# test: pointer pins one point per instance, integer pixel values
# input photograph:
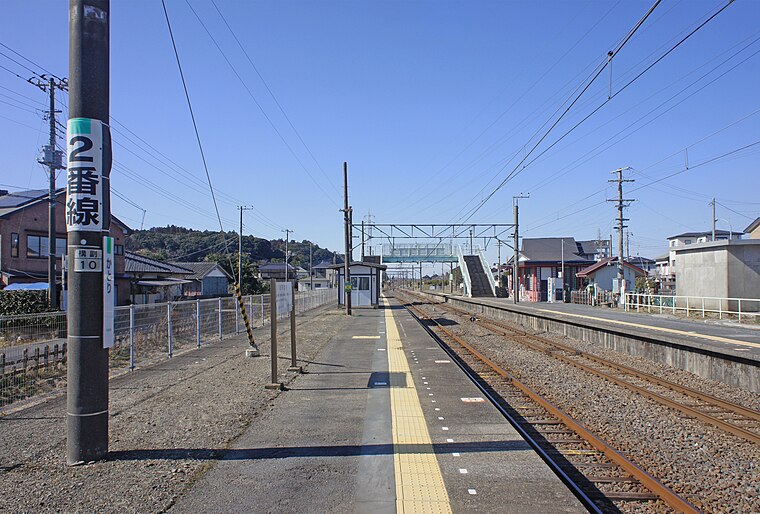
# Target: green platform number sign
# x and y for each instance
(347, 286)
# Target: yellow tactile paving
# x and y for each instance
(419, 484)
(659, 329)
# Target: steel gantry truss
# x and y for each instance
(438, 233)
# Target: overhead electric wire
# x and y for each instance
(598, 72)
(255, 101)
(656, 181)
(588, 155)
(29, 61)
(504, 112)
(279, 106)
(516, 171)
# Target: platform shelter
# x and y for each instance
(366, 283)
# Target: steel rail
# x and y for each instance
(644, 478)
(673, 404)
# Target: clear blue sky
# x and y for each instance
(427, 101)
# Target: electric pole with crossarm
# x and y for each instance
(53, 159)
(621, 204)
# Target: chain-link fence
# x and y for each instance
(33, 346)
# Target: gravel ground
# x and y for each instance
(717, 472)
(169, 424)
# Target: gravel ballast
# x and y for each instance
(169, 424)
(715, 471)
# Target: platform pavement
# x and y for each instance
(719, 337)
(378, 424)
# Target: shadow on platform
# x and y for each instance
(314, 451)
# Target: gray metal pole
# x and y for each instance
(516, 258)
(713, 218)
(87, 366)
(311, 271)
(347, 227)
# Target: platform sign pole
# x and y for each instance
(274, 384)
(293, 364)
(88, 218)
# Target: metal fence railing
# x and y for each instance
(589, 298)
(33, 346)
(742, 309)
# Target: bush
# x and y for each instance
(23, 302)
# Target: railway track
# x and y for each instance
(727, 416)
(602, 477)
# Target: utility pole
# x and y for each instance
(516, 258)
(471, 246)
(287, 237)
(498, 260)
(347, 228)
(362, 240)
(53, 159)
(88, 218)
(240, 247)
(713, 218)
(311, 266)
(621, 204)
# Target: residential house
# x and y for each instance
(595, 249)
(154, 281)
(543, 258)
(208, 280)
(324, 270)
(648, 265)
(276, 270)
(753, 229)
(24, 240)
(601, 274)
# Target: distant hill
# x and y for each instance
(185, 244)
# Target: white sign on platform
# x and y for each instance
(284, 297)
(84, 175)
(109, 292)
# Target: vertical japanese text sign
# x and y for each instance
(109, 290)
(284, 297)
(88, 168)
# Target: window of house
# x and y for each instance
(688, 241)
(37, 247)
(14, 245)
(34, 247)
(673, 243)
(118, 249)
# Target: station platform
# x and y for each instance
(719, 337)
(383, 421)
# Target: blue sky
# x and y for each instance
(431, 103)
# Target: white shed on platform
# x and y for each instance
(366, 283)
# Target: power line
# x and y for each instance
(516, 171)
(266, 85)
(255, 101)
(197, 134)
(611, 54)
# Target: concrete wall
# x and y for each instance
(720, 269)
(604, 276)
(735, 371)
